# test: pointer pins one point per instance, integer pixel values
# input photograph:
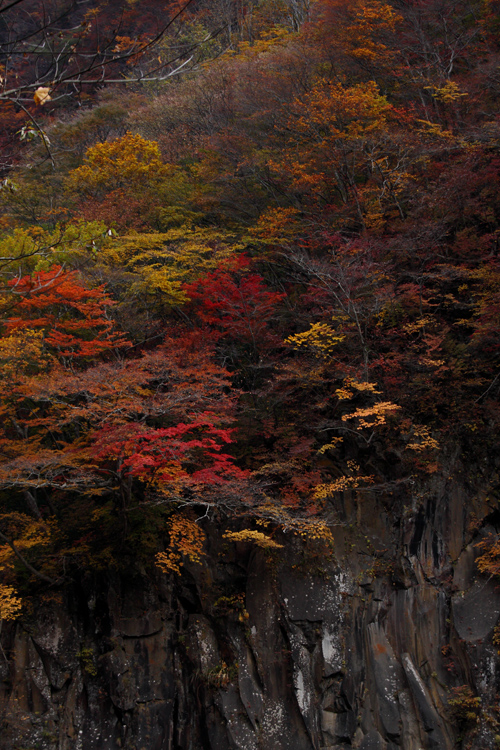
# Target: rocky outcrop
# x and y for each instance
(296, 651)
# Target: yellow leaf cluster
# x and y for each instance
(334, 442)
(350, 386)
(277, 224)
(303, 527)
(10, 604)
(324, 491)
(434, 129)
(314, 531)
(255, 537)
(450, 92)
(372, 416)
(344, 394)
(321, 339)
(186, 540)
(160, 263)
(130, 157)
(268, 43)
(371, 18)
(343, 112)
(132, 164)
(20, 351)
(489, 560)
(422, 440)
(429, 362)
(417, 325)
(364, 387)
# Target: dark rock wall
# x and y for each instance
(289, 651)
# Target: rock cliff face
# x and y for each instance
(276, 652)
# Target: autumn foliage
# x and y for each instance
(73, 319)
(250, 294)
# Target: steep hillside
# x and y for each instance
(249, 394)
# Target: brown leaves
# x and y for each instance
(42, 96)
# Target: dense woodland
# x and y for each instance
(249, 263)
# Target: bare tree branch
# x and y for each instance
(61, 58)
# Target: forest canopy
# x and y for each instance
(236, 293)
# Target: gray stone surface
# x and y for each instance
(361, 656)
(385, 676)
(429, 717)
(372, 741)
(476, 611)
